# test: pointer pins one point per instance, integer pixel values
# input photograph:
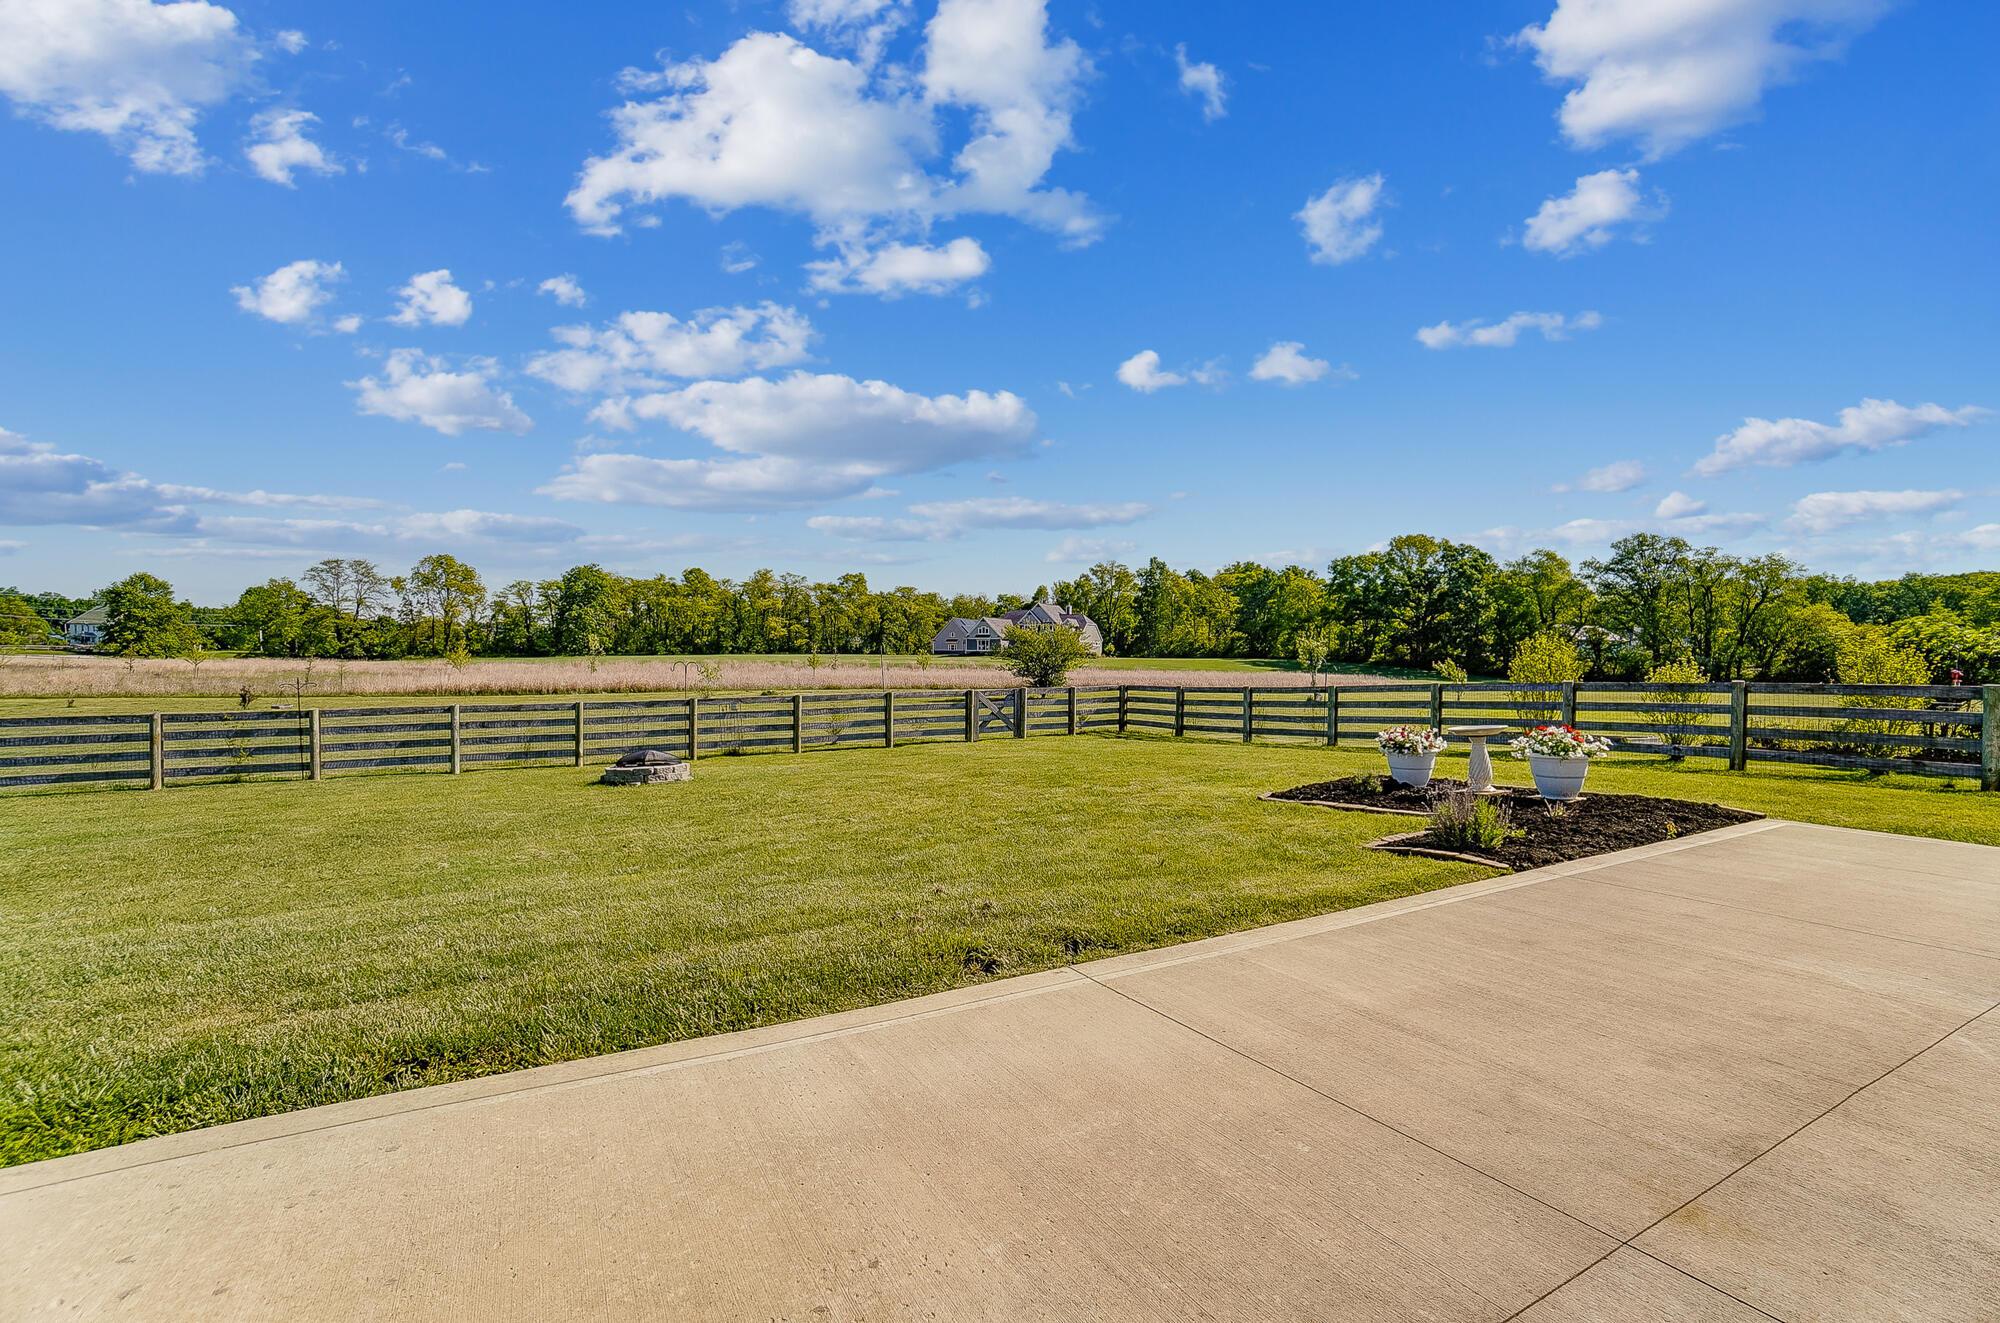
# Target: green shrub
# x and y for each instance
(1043, 657)
(1451, 672)
(1867, 655)
(1679, 729)
(1549, 661)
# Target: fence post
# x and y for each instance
(158, 740)
(1569, 703)
(1249, 707)
(457, 764)
(1739, 725)
(312, 744)
(1437, 706)
(1072, 709)
(579, 732)
(694, 728)
(798, 723)
(1180, 712)
(888, 719)
(1021, 713)
(1989, 739)
(1332, 715)
(971, 715)
(1124, 697)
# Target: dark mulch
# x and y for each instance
(1594, 824)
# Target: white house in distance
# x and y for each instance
(86, 630)
(968, 636)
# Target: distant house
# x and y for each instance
(975, 636)
(86, 630)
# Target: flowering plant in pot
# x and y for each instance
(1559, 756)
(1412, 751)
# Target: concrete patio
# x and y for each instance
(1753, 1073)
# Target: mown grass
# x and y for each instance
(202, 955)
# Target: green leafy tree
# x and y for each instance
(1108, 593)
(1313, 646)
(1419, 600)
(144, 620)
(279, 619)
(20, 624)
(1635, 587)
(1043, 656)
(441, 596)
(1950, 642)
(582, 609)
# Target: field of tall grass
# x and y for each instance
(40, 677)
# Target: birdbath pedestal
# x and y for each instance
(1479, 768)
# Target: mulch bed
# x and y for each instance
(1594, 824)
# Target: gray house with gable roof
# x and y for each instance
(967, 636)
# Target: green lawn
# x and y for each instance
(200, 955)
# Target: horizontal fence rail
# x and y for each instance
(1939, 730)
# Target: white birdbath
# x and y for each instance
(1479, 768)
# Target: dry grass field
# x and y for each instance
(63, 677)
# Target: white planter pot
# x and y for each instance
(1558, 778)
(1412, 769)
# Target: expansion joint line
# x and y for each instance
(1775, 1145)
(1626, 1242)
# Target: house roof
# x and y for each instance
(96, 615)
(1040, 613)
(1052, 614)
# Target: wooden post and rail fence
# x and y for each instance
(1935, 730)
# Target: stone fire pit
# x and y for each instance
(647, 767)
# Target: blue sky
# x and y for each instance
(969, 294)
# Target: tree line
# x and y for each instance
(1418, 602)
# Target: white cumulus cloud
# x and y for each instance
(893, 269)
(1667, 72)
(1204, 81)
(1142, 372)
(564, 290)
(1340, 224)
(1679, 505)
(1287, 363)
(418, 388)
(641, 349)
(292, 293)
(278, 147)
(1590, 215)
(1505, 333)
(137, 73)
(771, 122)
(431, 299)
(831, 418)
(1867, 426)
(863, 26)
